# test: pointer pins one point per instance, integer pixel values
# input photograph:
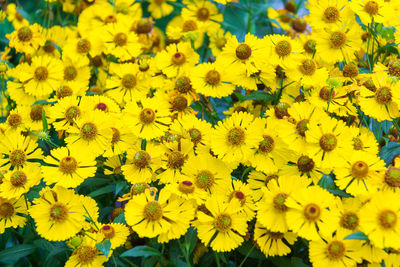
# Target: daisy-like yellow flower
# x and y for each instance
(149, 217)
(308, 72)
(273, 243)
(17, 20)
(141, 164)
(189, 191)
(222, 220)
(187, 29)
(379, 219)
(383, 103)
(113, 166)
(11, 211)
(258, 180)
(218, 40)
(87, 44)
(18, 151)
(236, 136)
(18, 182)
(100, 102)
(177, 59)
(242, 192)
(204, 13)
(364, 140)
(360, 174)
(76, 73)
(149, 119)
(213, 79)
(16, 119)
(284, 51)
(26, 39)
(328, 14)
(122, 138)
(65, 112)
(335, 251)
(378, 11)
(92, 133)
(68, 167)
(86, 254)
(43, 76)
(311, 212)
(117, 233)
(160, 8)
(119, 41)
(349, 209)
(272, 209)
(58, 213)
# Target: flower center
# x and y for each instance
(357, 143)
(195, 135)
(153, 211)
(36, 113)
(269, 178)
(331, 14)
(64, 91)
(243, 51)
(392, 177)
(213, 77)
(239, 109)
(308, 67)
(18, 178)
(139, 188)
(128, 81)
(223, 223)
(102, 106)
(204, 179)
(394, 69)
(83, 46)
(41, 73)
(116, 135)
(89, 131)
(328, 142)
(281, 110)
(283, 48)
(220, 42)
(178, 59)
(159, 2)
(24, 34)
(175, 160)
(203, 14)
(359, 169)
(59, 212)
(299, 25)
(70, 73)
(141, 159)
(189, 25)
(110, 19)
(371, 7)
(147, 116)
(387, 219)
(239, 195)
(349, 220)
(68, 165)
(312, 212)
(236, 136)
(121, 39)
(86, 255)
(279, 72)
(17, 157)
(108, 231)
(6, 210)
(336, 250)
(325, 93)
(383, 95)
(179, 103)
(301, 127)
(305, 164)
(337, 40)
(144, 26)
(49, 47)
(183, 85)
(350, 71)
(71, 113)
(279, 202)
(266, 145)
(186, 187)
(14, 120)
(276, 235)
(309, 46)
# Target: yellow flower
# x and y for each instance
(65, 112)
(86, 254)
(308, 72)
(189, 191)
(160, 8)
(76, 73)
(329, 13)
(11, 211)
(117, 233)
(377, 11)
(218, 40)
(284, 51)
(17, 20)
(18, 182)
(204, 13)
(242, 192)
(26, 39)
(349, 209)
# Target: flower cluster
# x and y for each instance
(121, 129)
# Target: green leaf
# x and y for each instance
(389, 151)
(141, 251)
(103, 190)
(14, 253)
(104, 247)
(120, 218)
(357, 235)
(44, 121)
(258, 95)
(254, 254)
(191, 239)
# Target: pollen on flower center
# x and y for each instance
(357, 143)
(175, 160)
(6, 210)
(213, 77)
(387, 219)
(392, 177)
(281, 110)
(383, 95)
(312, 212)
(186, 187)
(371, 7)
(236, 136)
(195, 135)
(279, 202)
(308, 67)
(83, 46)
(336, 250)
(147, 116)
(182, 84)
(328, 142)
(349, 220)
(337, 39)
(359, 169)
(70, 73)
(72, 113)
(331, 14)
(41, 73)
(141, 159)
(120, 39)
(17, 157)
(68, 165)
(243, 51)
(24, 34)
(203, 14)
(86, 254)
(266, 145)
(223, 223)
(108, 231)
(18, 178)
(14, 120)
(153, 211)
(305, 164)
(89, 131)
(178, 58)
(59, 212)
(128, 81)
(283, 48)
(139, 188)
(204, 179)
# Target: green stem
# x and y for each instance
(217, 258)
(247, 255)
(185, 252)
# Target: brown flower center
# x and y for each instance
(70, 73)
(349, 220)
(139, 188)
(305, 164)
(387, 219)
(108, 231)
(371, 7)
(89, 131)
(223, 223)
(357, 143)
(236, 136)
(178, 59)
(283, 48)
(72, 113)
(325, 93)
(153, 211)
(269, 178)
(308, 67)
(331, 14)
(102, 106)
(36, 113)
(243, 51)
(281, 110)
(279, 202)
(179, 103)
(86, 255)
(383, 95)
(359, 169)
(24, 34)
(220, 42)
(213, 77)
(195, 135)
(83, 46)
(116, 135)
(276, 235)
(59, 212)
(337, 39)
(18, 178)
(64, 91)
(144, 26)
(204, 179)
(121, 39)
(336, 250)
(141, 159)
(182, 84)
(49, 47)
(186, 187)
(239, 195)
(309, 46)
(6, 210)
(203, 14)
(41, 73)
(128, 81)
(189, 25)
(394, 69)
(14, 120)
(312, 212)
(301, 127)
(267, 145)
(17, 157)
(147, 116)
(350, 71)
(176, 160)
(392, 177)
(328, 142)
(68, 165)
